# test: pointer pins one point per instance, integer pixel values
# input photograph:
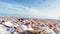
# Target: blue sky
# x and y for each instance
(30, 8)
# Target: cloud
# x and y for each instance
(47, 9)
(17, 10)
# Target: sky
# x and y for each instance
(47, 9)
